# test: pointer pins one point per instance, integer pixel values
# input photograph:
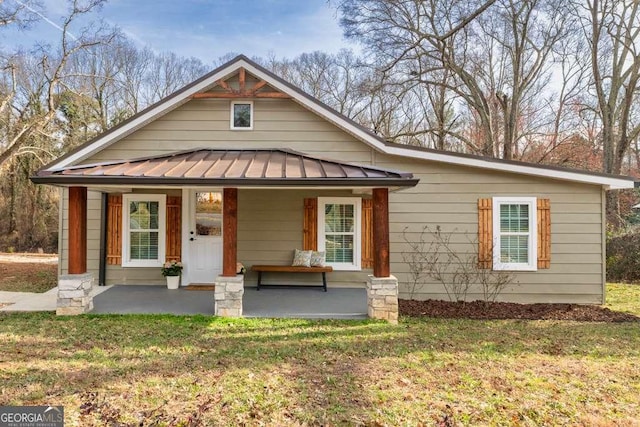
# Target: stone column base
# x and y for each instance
(74, 294)
(382, 298)
(228, 296)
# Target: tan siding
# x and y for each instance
(270, 222)
(447, 196)
(277, 124)
(270, 228)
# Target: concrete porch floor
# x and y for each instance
(313, 303)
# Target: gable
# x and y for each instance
(204, 123)
(242, 65)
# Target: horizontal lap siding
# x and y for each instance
(205, 123)
(447, 196)
(270, 228)
(270, 222)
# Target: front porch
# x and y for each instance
(340, 303)
(260, 206)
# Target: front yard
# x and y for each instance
(123, 370)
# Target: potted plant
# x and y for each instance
(172, 271)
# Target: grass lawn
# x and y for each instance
(621, 297)
(197, 370)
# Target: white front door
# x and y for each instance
(205, 236)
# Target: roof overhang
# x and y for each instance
(224, 168)
(365, 135)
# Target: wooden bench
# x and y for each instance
(291, 269)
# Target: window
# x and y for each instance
(515, 233)
(242, 115)
(339, 231)
(143, 240)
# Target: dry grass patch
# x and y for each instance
(200, 370)
(28, 276)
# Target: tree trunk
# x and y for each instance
(614, 220)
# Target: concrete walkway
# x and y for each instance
(338, 303)
(31, 301)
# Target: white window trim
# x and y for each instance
(126, 232)
(532, 264)
(357, 250)
(233, 103)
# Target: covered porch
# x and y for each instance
(283, 175)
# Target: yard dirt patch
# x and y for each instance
(504, 310)
(28, 272)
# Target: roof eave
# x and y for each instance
(67, 180)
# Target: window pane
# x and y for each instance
(143, 245)
(209, 214)
(514, 249)
(514, 218)
(339, 218)
(339, 248)
(241, 115)
(144, 215)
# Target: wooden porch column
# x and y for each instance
(381, 232)
(77, 230)
(230, 231)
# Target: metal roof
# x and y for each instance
(249, 167)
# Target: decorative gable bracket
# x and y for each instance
(243, 91)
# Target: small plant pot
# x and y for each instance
(173, 282)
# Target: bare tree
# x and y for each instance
(32, 112)
(493, 55)
(612, 28)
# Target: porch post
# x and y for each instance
(382, 287)
(381, 232)
(77, 230)
(230, 231)
(229, 286)
(74, 289)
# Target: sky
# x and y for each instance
(207, 29)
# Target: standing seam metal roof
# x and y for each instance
(241, 166)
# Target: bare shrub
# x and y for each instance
(432, 256)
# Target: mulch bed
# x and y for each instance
(507, 310)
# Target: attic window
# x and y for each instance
(242, 115)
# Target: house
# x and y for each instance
(242, 166)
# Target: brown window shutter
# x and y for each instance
(367, 233)
(310, 225)
(174, 228)
(485, 233)
(544, 233)
(114, 229)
